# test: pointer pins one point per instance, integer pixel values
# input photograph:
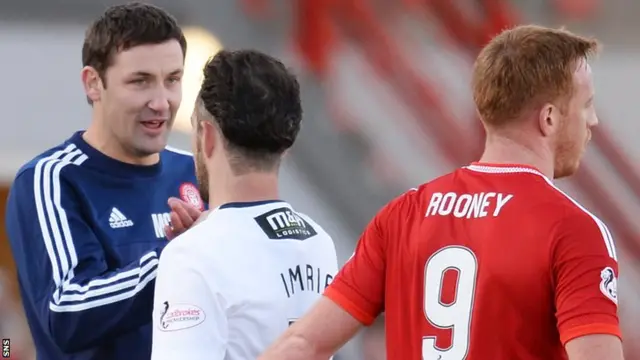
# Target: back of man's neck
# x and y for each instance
(506, 151)
(245, 188)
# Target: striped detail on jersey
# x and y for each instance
(59, 243)
(606, 234)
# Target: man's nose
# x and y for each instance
(160, 101)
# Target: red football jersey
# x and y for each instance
(488, 262)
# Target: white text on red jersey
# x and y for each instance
(469, 206)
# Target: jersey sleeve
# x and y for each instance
(189, 316)
(585, 273)
(359, 286)
(78, 300)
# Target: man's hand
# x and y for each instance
(183, 216)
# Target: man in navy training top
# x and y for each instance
(87, 219)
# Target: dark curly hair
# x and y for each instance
(122, 27)
(255, 102)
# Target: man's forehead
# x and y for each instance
(150, 58)
(583, 66)
(582, 74)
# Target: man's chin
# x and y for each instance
(150, 147)
(157, 147)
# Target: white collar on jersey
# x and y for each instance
(504, 169)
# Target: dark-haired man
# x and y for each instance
(87, 218)
(231, 284)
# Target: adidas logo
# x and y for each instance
(118, 220)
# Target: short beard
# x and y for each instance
(202, 175)
(567, 153)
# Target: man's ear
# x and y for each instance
(92, 83)
(549, 119)
(209, 138)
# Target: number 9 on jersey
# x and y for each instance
(457, 315)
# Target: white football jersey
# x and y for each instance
(228, 287)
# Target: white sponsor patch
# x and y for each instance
(609, 284)
(175, 317)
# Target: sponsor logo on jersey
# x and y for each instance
(190, 194)
(284, 223)
(609, 284)
(118, 220)
(174, 317)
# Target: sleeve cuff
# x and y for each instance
(591, 329)
(349, 306)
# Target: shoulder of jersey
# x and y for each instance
(173, 152)
(186, 246)
(178, 152)
(414, 193)
(178, 157)
(203, 232)
(50, 155)
(556, 197)
(319, 229)
(406, 200)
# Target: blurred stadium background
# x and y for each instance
(386, 100)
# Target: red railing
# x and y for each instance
(501, 16)
(320, 24)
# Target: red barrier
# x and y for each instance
(321, 23)
(498, 16)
